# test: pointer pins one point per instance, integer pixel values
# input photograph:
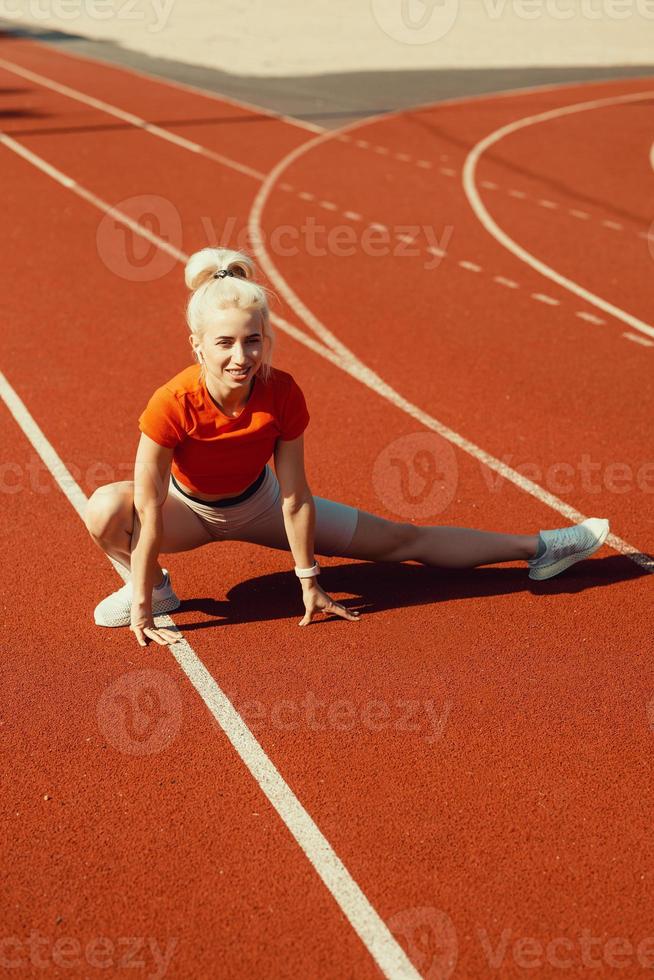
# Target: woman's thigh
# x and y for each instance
(335, 527)
(182, 529)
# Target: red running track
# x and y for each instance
(505, 792)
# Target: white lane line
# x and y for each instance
(328, 206)
(470, 266)
(183, 86)
(404, 157)
(131, 119)
(378, 226)
(584, 215)
(519, 194)
(615, 225)
(637, 339)
(509, 283)
(550, 205)
(364, 144)
(441, 253)
(548, 300)
(489, 185)
(425, 164)
(406, 238)
(307, 196)
(448, 172)
(383, 150)
(589, 317)
(347, 361)
(353, 215)
(371, 929)
(477, 205)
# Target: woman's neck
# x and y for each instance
(231, 402)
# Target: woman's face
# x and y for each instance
(231, 346)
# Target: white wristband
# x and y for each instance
(308, 572)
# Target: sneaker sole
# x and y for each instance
(549, 571)
(164, 606)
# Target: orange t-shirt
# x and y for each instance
(215, 454)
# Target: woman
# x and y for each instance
(201, 473)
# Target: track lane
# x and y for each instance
(392, 826)
(173, 845)
(215, 122)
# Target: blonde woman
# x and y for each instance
(202, 475)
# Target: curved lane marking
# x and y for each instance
(491, 226)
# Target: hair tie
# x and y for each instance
(223, 273)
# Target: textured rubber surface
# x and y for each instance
(474, 748)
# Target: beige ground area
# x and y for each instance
(268, 38)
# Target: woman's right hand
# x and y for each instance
(143, 626)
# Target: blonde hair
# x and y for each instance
(239, 289)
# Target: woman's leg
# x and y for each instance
(114, 525)
(376, 539)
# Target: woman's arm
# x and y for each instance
(299, 512)
(151, 473)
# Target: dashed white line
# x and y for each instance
(637, 339)
(551, 205)
(404, 157)
(364, 144)
(584, 215)
(448, 172)
(509, 283)
(612, 224)
(436, 251)
(378, 226)
(328, 206)
(519, 194)
(382, 149)
(590, 317)
(406, 238)
(470, 266)
(548, 300)
(353, 215)
(489, 185)
(307, 196)
(425, 164)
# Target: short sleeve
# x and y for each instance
(162, 420)
(295, 415)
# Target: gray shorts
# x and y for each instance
(259, 519)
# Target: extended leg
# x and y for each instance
(377, 539)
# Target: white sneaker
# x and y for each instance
(116, 609)
(568, 545)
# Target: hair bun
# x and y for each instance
(203, 265)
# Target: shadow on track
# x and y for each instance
(380, 586)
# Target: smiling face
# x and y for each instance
(231, 348)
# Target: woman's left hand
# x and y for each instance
(316, 601)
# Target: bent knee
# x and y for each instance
(107, 506)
